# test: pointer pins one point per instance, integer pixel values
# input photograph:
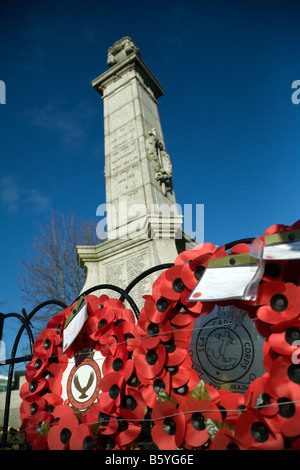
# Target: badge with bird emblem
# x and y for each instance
(82, 387)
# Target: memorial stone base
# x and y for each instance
(118, 262)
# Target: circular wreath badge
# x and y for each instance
(134, 386)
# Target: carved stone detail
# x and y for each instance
(160, 160)
(120, 50)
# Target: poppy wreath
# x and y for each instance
(148, 396)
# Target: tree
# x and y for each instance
(51, 270)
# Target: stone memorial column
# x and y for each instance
(144, 223)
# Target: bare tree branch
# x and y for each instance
(51, 270)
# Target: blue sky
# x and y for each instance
(230, 127)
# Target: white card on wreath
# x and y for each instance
(278, 246)
(224, 283)
(74, 323)
(282, 251)
(230, 277)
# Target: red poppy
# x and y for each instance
(82, 439)
(196, 307)
(54, 374)
(125, 314)
(57, 322)
(112, 386)
(56, 364)
(115, 307)
(192, 270)
(31, 388)
(254, 433)
(276, 228)
(42, 392)
(183, 320)
(296, 225)
(32, 426)
(105, 442)
(180, 393)
(98, 323)
(37, 396)
(191, 274)
(269, 356)
(52, 400)
(190, 277)
(106, 316)
(284, 375)
(149, 363)
(61, 432)
(107, 422)
(188, 255)
(175, 354)
(151, 334)
(280, 302)
(169, 426)
(274, 270)
(151, 388)
(182, 334)
(31, 407)
(133, 405)
(287, 418)
(132, 412)
(213, 393)
(36, 367)
(112, 342)
(133, 380)
(158, 310)
(284, 336)
(95, 303)
(40, 443)
(239, 249)
(127, 431)
(172, 287)
(196, 413)
(169, 284)
(231, 405)
(181, 373)
(259, 397)
(46, 343)
(128, 330)
(119, 311)
(119, 364)
(196, 252)
(224, 440)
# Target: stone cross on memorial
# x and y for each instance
(142, 224)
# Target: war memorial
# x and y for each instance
(201, 353)
(142, 223)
